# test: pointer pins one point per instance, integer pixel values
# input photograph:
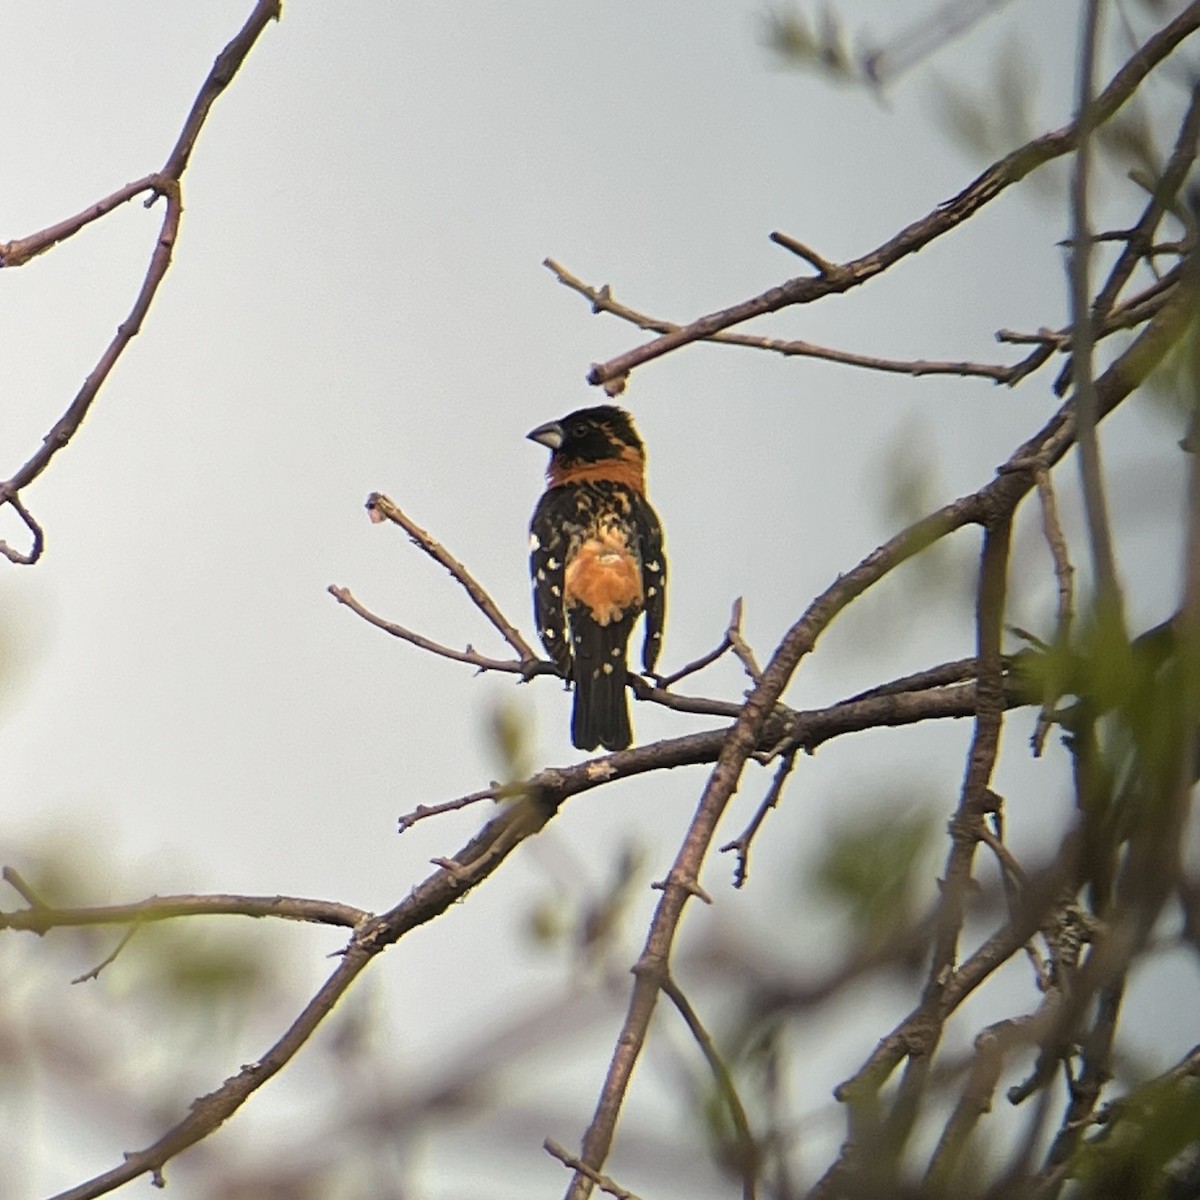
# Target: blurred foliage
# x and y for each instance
(1176, 384)
(510, 738)
(1146, 1132)
(210, 967)
(874, 870)
(995, 115)
(1131, 724)
(589, 923)
(912, 487)
(809, 42)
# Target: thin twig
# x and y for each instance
(973, 1103)
(749, 1155)
(40, 916)
(380, 506)
(1104, 563)
(165, 184)
(1064, 575)
(19, 251)
(1009, 866)
(15, 881)
(914, 237)
(24, 558)
(939, 676)
(424, 811)
(603, 301)
(967, 826)
(740, 646)
(1139, 240)
(472, 657)
(705, 660)
(66, 426)
(603, 1182)
(94, 973)
(473, 864)
(741, 843)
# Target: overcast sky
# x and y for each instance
(357, 303)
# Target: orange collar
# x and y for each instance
(629, 468)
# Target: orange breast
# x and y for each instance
(605, 578)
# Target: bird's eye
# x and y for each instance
(579, 429)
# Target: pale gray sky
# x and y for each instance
(357, 303)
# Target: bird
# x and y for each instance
(597, 563)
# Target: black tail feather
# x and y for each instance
(601, 713)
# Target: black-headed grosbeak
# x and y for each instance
(596, 557)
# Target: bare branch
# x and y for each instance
(993, 506)
(165, 184)
(742, 842)
(28, 557)
(1104, 563)
(939, 676)
(380, 506)
(739, 645)
(748, 1153)
(41, 917)
(1139, 240)
(14, 880)
(19, 251)
(974, 1101)
(66, 426)
(472, 657)
(603, 1182)
(224, 68)
(109, 959)
(424, 811)
(1064, 574)
(603, 302)
(986, 187)
(735, 620)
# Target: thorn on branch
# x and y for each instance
(453, 868)
(691, 886)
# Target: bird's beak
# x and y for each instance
(549, 435)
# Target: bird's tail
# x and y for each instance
(601, 713)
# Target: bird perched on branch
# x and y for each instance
(596, 557)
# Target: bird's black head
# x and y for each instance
(590, 435)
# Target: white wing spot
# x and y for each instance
(548, 634)
(553, 563)
(655, 566)
(652, 591)
(555, 590)
(534, 543)
(607, 668)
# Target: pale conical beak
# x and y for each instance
(549, 435)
